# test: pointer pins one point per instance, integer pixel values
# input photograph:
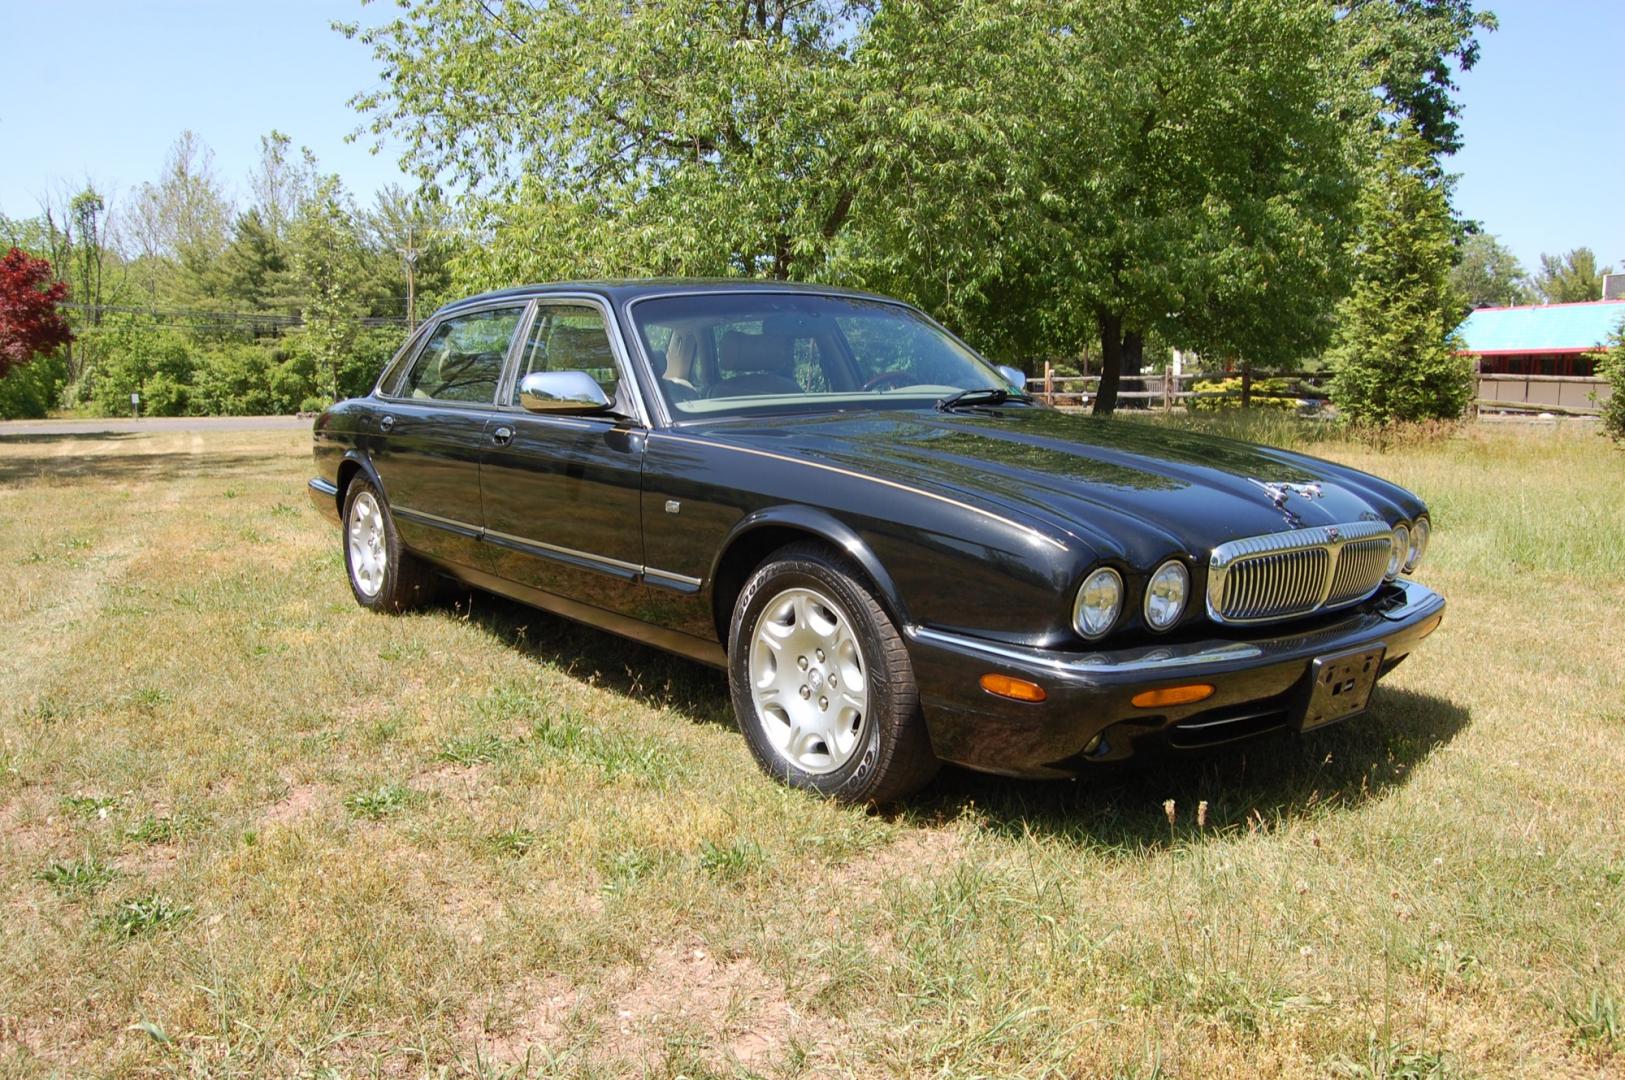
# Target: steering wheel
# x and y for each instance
(888, 380)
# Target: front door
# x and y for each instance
(430, 432)
(561, 493)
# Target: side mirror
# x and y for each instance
(561, 392)
(1017, 377)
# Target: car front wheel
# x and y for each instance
(821, 683)
(383, 575)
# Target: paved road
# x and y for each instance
(153, 425)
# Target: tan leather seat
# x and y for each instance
(755, 364)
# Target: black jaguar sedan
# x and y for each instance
(897, 555)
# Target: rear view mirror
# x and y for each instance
(561, 392)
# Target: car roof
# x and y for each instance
(621, 290)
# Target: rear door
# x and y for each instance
(431, 430)
(562, 493)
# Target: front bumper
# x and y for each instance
(1259, 684)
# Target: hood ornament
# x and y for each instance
(1280, 492)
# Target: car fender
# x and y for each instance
(351, 459)
(827, 527)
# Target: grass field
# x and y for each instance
(247, 829)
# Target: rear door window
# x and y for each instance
(463, 358)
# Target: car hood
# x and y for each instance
(1128, 489)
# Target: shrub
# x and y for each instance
(1282, 394)
(1611, 366)
(28, 391)
(1394, 353)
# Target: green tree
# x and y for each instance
(1394, 357)
(1032, 172)
(1611, 366)
(251, 273)
(1487, 274)
(1570, 278)
(1412, 49)
(328, 260)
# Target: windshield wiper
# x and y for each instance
(982, 395)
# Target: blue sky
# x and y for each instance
(1543, 167)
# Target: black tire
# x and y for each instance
(406, 582)
(892, 756)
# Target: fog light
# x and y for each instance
(1007, 686)
(1172, 695)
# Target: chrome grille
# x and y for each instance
(1288, 574)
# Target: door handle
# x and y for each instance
(502, 436)
(385, 423)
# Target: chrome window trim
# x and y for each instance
(1328, 538)
(621, 354)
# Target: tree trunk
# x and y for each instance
(1111, 363)
(1134, 363)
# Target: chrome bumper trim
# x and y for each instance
(1419, 603)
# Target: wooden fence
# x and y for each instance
(1568, 395)
(1167, 391)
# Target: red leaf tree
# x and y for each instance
(29, 321)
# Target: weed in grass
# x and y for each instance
(511, 843)
(730, 862)
(149, 697)
(161, 829)
(90, 806)
(1395, 1061)
(378, 802)
(474, 749)
(77, 876)
(283, 510)
(144, 914)
(625, 870)
(1596, 1022)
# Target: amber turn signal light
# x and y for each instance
(1172, 695)
(1013, 688)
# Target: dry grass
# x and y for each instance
(249, 829)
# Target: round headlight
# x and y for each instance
(1100, 598)
(1165, 595)
(1398, 551)
(1420, 532)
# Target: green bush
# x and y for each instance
(138, 358)
(1611, 366)
(28, 391)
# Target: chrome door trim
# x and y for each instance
(604, 564)
(423, 517)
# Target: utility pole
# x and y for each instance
(409, 254)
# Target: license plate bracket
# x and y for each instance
(1340, 685)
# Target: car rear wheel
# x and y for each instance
(383, 575)
(821, 683)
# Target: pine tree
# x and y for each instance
(1394, 355)
(252, 271)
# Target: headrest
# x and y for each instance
(578, 348)
(740, 351)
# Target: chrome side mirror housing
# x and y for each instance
(1017, 377)
(561, 392)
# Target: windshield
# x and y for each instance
(731, 353)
